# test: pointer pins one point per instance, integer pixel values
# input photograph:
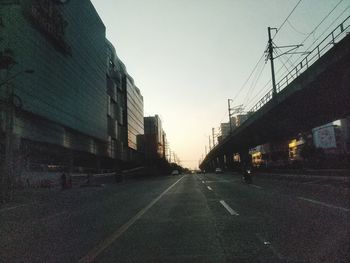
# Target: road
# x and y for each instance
(185, 218)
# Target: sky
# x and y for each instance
(189, 56)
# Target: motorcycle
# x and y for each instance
(247, 176)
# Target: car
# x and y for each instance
(175, 172)
(218, 171)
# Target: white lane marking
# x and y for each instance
(99, 248)
(324, 204)
(203, 182)
(315, 181)
(228, 208)
(269, 245)
(11, 208)
(209, 188)
(256, 186)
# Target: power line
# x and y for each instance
(296, 30)
(250, 75)
(291, 12)
(314, 30)
(254, 83)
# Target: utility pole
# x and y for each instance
(270, 50)
(229, 114)
(205, 150)
(213, 131)
(209, 143)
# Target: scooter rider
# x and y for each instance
(246, 168)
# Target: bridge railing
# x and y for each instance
(326, 44)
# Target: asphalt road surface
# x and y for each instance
(185, 218)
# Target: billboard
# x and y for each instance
(324, 136)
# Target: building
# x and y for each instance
(225, 129)
(80, 108)
(154, 138)
(134, 117)
(116, 106)
(240, 118)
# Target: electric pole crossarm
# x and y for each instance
(288, 52)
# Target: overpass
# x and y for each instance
(315, 92)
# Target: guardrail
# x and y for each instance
(325, 45)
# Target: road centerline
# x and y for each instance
(91, 256)
(228, 208)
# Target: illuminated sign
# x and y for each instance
(48, 18)
(324, 137)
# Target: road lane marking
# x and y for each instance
(315, 181)
(269, 245)
(91, 256)
(11, 208)
(256, 186)
(209, 188)
(228, 208)
(324, 204)
(203, 182)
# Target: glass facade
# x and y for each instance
(68, 86)
(134, 113)
(154, 136)
(116, 104)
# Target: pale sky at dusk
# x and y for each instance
(189, 56)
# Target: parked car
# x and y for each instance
(175, 172)
(218, 171)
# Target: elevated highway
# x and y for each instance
(315, 92)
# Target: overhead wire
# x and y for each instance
(314, 30)
(254, 83)
(291, 12)
(250, 75)
(278, 30)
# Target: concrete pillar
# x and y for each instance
(245, 157)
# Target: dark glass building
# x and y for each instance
(134, 115)
(61, 109)
(154, 138)
(116, 106)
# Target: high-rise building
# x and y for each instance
(62, 106)
(225, 130)
(154, 137)
(79, 107)
(116, 106)
(134, 107)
